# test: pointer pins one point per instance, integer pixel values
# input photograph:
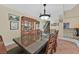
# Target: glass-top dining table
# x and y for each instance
(32, 46)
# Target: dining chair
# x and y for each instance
(52, 43)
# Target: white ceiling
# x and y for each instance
(35, 9)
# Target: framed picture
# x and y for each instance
(66, 25)
(14, 25)
(13, 17)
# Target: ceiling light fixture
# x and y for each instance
(44, 16)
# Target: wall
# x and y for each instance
(5, 31)
(74, 22)
(59, 27)
(72, 17)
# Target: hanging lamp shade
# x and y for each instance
(44, 16)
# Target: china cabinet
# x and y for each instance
(29, 29)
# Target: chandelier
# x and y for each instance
(44, 16)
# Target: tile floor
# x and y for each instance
(66, 47)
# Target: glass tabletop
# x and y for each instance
(29, 45)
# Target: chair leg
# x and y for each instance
(54, 48)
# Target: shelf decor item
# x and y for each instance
(14, 25)
(55, 24)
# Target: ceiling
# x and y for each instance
(35, 9)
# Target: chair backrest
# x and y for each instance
(52, 43)
(2, 46)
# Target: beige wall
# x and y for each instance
(74, 22)
(5, 31)
(60, 28)
(72, 17)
